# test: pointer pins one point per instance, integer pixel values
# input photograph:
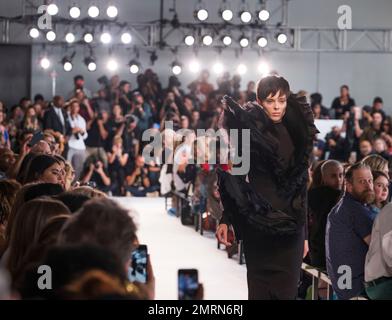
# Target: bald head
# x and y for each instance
(332, 174)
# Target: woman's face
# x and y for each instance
(31, 112)
(117, 110)
(381, 188)
(275, 106)
(75, 108)
(53, 174)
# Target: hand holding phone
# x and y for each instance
(188, 284)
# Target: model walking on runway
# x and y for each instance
(267, 207)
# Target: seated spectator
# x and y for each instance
(27, 225)
(45, 168)
(4, 134)
(7, 161)
(142, 111)
(110, 227)
(69, 176)
(30, 121)
(117, 160)
(348, 230)
(8, 190)
(138, 183)
(343, 103)
(321, 200)
(335, 144)
(376, 163)
(373, 131)
(386, 133)
(378, 267)
(317, 99)
(73, 262)
(380, 148)
(365, 149)
(378, 106)
(95, 174)
(381, 191)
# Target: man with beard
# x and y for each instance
(348, 231)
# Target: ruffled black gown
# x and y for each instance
(268, 207)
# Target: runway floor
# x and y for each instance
(173, 246)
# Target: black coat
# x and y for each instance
(52, 121)
(245, 203)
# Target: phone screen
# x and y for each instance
(138, 270)
(188, 284)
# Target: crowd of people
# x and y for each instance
(61, 159)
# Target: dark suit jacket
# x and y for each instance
(52, 121)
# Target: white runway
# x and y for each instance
(173, 246)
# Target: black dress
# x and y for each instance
(269, 212)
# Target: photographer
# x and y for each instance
(138, 183)
(98, 133)
(77, 147)
(142, 111)
(95, 175)
(117, 159)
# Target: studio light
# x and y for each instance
(201, 14)
(176, 68)
(282, 38)
(134, 66)
(189, 40)
(34, 33)
(207, 40)
(245, 16)
(264, 68)
(112, 12)
(88, 37)
(70, 37)
(241, 69)
(218, 68)
(264, 15)
(112, 65)
(244, 42)
(51, 36)
(74, 12)
(106, 38)
(227, 14)
(226, 40)
(93, 12)
(194, 66)
(44, 63)
(126, 38)
(52, 9)
(67, 64)
(90, 64)
(262, 42)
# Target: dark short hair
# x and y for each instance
(316, 97)
(73, 200)
(78, 77)
(38, 165)
(38, 96)
(271, 85)
(345, 86)
(42, 189)
(378, 100)
(356, 166)
(377, 174)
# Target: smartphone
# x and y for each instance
(188, 284)
(138, 270)
(37, 137)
